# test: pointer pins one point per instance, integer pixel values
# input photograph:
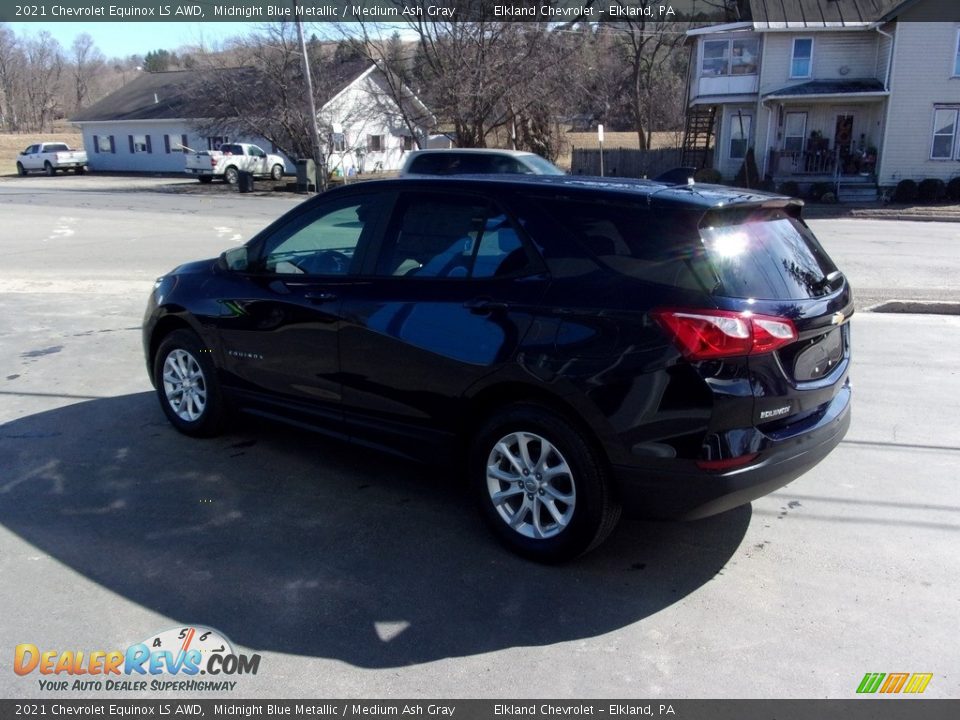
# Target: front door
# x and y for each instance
(279, 322)
(843, 139)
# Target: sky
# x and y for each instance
(122, 39)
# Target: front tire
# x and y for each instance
(276, 173)
(21, 170)
(542, 486)
(231, 175)
(187, 385)
(49, 169)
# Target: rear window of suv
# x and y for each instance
(766, 255)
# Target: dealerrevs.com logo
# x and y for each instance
(169, 661)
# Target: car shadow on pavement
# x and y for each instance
(289, 542)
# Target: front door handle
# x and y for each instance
(484, 306)
(319, 298)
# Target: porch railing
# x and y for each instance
(819, 162)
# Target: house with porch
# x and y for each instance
(859, 94)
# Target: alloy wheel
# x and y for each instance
(531, 485)
(184, 385)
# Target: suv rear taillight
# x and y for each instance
(711, 334)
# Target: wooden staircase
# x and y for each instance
(697, 134)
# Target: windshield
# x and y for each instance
(542, 166)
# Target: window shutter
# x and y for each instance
(130, 138)
(183, 143)
(96, 144)
(166, 143)
(113, 145)
(149, 148)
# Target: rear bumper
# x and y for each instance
(689, 493)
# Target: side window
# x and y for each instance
(326, 242)
(500, 251)
(448, 236)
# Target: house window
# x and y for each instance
(375, 143)
(715, 60)
(794, 131)
(139, 144)
(801, 62)
(944, 133)
(103, 143)
(740, 125)
(338, 142)
(407, 143)
(956, 57)
(730, 57)
(215, 141)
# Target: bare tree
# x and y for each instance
(42, 90)
(88, 63)
(12, 65)
(256, 87)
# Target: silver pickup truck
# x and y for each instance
(50, 157)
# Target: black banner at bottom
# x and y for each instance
(872, 708)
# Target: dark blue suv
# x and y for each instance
(571, 344)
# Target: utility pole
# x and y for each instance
(311, 104)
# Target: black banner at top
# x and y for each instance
(782, 14)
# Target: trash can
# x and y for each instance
(306, 175)
(245, 181)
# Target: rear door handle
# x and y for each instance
(484, 306)
(319, 298)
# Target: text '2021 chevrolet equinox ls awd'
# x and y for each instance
(576, 343)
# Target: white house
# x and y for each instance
(857, 94)
(145, 125)
(368, 131)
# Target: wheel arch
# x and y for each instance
(483, 404)
(168, 323)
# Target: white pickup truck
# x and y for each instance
(230, 160)
(50, 157)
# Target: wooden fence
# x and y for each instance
(624, 162)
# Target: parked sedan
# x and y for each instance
(572, 345)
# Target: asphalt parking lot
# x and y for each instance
(354, 575)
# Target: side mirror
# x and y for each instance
(235, 259)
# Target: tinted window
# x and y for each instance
(325, 242)
(452, 163)
(56, 147)
(449, 236)
(770, 256)
(775, 258)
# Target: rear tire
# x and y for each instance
(542, 486)
(231, 175)
(80, 170)
(205, 179)
(21, 170)
(187, 385)
(276, 173)
(49, 169)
